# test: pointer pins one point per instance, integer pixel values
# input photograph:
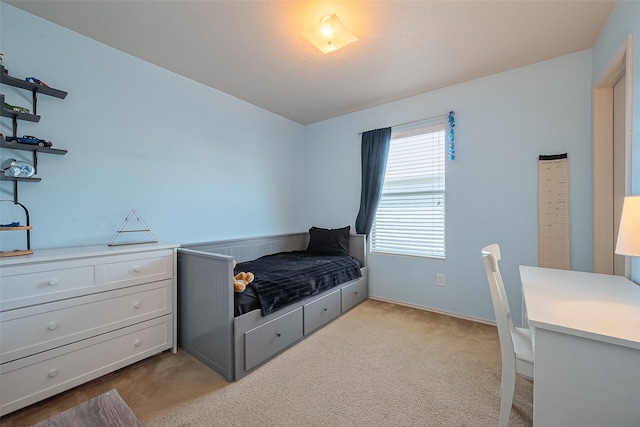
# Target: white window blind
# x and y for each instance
(410, 219)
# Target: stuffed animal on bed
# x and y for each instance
(241, 280)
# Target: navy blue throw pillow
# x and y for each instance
(324, 241)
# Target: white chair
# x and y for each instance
(515, 343)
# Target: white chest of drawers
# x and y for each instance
(70, 315)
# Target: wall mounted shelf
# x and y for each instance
(15, 116)
(16, 179)
(23, 84)
(34, 148)
(35, 89)
(27, 228)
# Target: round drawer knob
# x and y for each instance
(137, 304)
(138, 269)
(52, 325)
(137, 342)
(53, 282)
(325, 309)
(53, 372)
(278, 334)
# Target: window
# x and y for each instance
(410, 219)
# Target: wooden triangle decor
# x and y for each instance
(125, 233)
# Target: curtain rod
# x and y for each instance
(420, 120)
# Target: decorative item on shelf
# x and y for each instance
(28, 139)
(10, 225)
(141, 227)
(15, 108)
(16, 169)
(36, 81)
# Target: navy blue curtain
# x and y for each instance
(374, 152)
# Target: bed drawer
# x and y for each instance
(321, 311)
(354, 293)
(272, 337)
(28, 380)
(40, 328)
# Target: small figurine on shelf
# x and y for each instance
(15, 108)
(11, 224)
(36, 81)
(30, 140)
(16, 169)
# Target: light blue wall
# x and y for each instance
(220, 168)
(624, 20)
(196, 163)
(503, 122)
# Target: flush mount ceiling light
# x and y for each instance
(329, 35)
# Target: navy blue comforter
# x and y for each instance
(287, 277)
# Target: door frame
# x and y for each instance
(604, 237)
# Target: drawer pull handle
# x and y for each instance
(137, 342)
(278, 334)
(52, 325)
(137, 304)
(53, 372)
(53, 282)
(355, 293)
(325, 309)
(138, 269)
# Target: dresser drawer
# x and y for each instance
(20, 285)
(354, 293)
(272, 337)
(28, 283)
(43, 327)
(146, 267)
(321, 311)
(34, 378)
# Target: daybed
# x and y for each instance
(235, 345)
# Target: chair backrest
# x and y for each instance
(491, 256)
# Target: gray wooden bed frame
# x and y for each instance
(235, 346)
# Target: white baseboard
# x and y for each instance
(433, 310)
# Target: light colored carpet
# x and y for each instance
(380, 364)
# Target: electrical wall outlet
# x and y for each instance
(439, 279)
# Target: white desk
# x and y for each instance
(586, 331)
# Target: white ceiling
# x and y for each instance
(254, 50)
